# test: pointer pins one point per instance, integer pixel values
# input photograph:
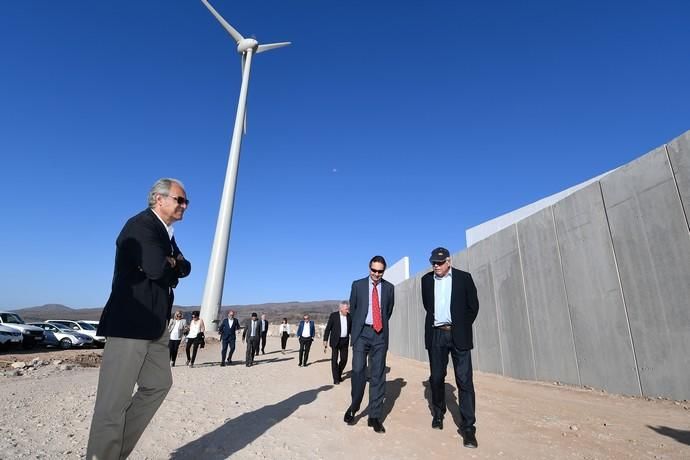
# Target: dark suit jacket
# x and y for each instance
(264, 326)
(359, 305)
(247, 330)
(141, 298)
(333, 328)
(464, 307)
(228, 331)
(312, 329)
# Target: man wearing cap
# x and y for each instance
(450, 300)
(371, 306)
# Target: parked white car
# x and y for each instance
(31, 335)
(80, 326)
(63, 337)
(9, 337)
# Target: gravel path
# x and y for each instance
(277, 410)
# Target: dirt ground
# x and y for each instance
(277, 410)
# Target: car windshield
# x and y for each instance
(86, 326)
(11, 318)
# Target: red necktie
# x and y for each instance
(376, 310)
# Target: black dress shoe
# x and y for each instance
(336, 382)
(349, 417)
(222, 364)
(469, 440)
(437, 422)
(376, 425)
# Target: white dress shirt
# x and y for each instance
(343, 326)
(443, 287)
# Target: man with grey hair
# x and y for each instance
(338, 331)
(148, 265)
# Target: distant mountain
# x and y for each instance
(58, 311)
(275, 312)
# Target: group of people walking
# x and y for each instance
(148, 267)
(193, 334)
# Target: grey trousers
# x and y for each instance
(120, 417)
(372, 346)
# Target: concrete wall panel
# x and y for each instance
(552, 335)
(513, 321)
(679, 152)
(652, 246)
(398, 334)
(602, 337)
(416, 317)
(486, 340)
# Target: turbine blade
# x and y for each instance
(231, 30)
(244, 126)
(271, 46)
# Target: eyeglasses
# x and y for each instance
(438, 264)
(180, 199)
(380, 272)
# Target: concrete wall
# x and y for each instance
(592, 290)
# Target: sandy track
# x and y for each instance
(277, 410)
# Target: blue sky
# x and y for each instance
(388, 127)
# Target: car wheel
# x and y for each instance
(65, 343)
(28, 344)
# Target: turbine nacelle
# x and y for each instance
(247, 44)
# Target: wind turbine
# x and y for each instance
(213, 291)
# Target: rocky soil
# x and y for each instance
(277, 410)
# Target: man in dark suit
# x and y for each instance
(338, 331)
(228, 333)
(305, 333)
(148, 264)
(371, 306)
(450, 300)
(251, 334)
(264, 333)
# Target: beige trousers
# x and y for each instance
(121, 416)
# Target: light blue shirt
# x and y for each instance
(370, 315)
(443, 286)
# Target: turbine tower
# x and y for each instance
(213, 291)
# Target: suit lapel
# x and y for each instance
(162, 231)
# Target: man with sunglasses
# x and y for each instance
(371, 306)
(450, 300)
(148, 265)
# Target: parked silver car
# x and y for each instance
(80, 326)
(31, 335)
(9, 337)
(63, 337)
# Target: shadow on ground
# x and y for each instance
(451, 403)
(392, 393)
(682, 436)
(272, 360)
(236, 433)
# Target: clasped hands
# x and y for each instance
(173, 260)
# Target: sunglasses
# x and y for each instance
(435, 263)
(377, 271)
(180, 200)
